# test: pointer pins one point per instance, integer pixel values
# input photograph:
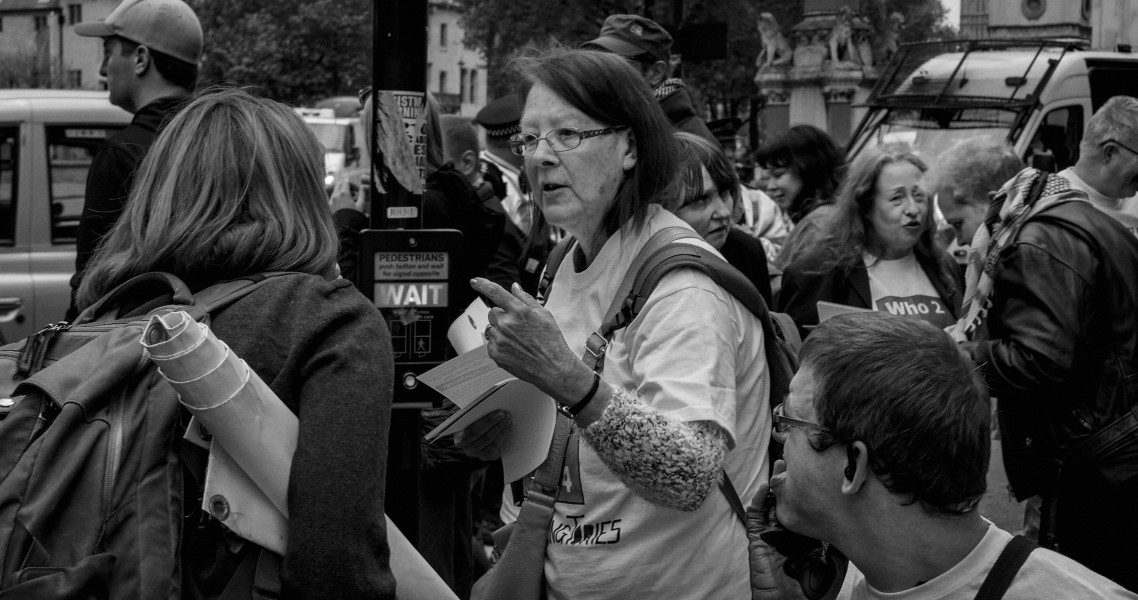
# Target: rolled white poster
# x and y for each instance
(226, 396)
(254, 438)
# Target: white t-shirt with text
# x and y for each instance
(695, 354)
(901, 287)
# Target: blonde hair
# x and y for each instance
(232, 186)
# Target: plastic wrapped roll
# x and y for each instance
(253, 439)
(226, 396)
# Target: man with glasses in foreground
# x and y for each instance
(886, 435)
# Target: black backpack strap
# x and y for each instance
(779, 352)
(618, 315)
(732, 496)
(146, 285)
(552, 263)
(221, 295)
(1004, 571)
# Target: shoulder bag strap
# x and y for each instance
(1003, 573)
(733, 499)
(598, 341)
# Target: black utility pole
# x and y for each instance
(399, 66)
(399, 77)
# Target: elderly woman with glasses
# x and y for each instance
(683, 396)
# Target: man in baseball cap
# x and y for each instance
(151, 50)
(649, 47)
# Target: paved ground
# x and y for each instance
(998, 504)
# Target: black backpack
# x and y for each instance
(91, 449)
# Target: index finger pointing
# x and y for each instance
(497, 294)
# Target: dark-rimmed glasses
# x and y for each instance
(782, 422)
(1118, 143)
(560, 140)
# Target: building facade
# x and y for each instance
(974, 19)
(1101, 24)
(456, 75)
(39, 48)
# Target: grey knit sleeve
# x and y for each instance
(663, 460)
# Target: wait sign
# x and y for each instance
(391, 295)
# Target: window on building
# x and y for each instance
(1, 23)
(75, 79)
(9, 170)
(75, 13)
(443, 35)
(473, 85)
(442, 82)
(462, 85)
(40, 22)
(70, 150)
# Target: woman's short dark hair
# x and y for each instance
(815, 159)
(849, 234)
(608, 89)
(696, 152)
(902, 387)
(179, 73)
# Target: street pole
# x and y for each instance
(399, 81)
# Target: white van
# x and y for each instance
(1036, 95)
(47, 141)
(342, 139)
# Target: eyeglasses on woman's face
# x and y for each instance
(560, 140)
(782, 423)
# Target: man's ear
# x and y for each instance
(857, 468)
(657, 72)
(143, 61)
(468, 162)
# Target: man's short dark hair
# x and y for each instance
(179, 73)
(459, 135)
(901, 386)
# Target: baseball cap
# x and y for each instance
(167, 26)
(630, 35)
(501, 116)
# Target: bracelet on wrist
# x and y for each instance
(583, 402)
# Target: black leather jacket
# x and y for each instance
(1062, 350)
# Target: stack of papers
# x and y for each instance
(478, 387)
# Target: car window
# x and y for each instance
(70, 150)
(9, 169)
(1056, 144)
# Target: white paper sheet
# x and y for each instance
(478, 386)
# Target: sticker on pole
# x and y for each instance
(403, 137)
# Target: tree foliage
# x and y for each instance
(26, 67)
(502, 28)
(297, 51)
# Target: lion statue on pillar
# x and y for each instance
(776, 49)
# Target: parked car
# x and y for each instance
(47, 141)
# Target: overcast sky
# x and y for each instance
(953, 7)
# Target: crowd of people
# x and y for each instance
(866, 476)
